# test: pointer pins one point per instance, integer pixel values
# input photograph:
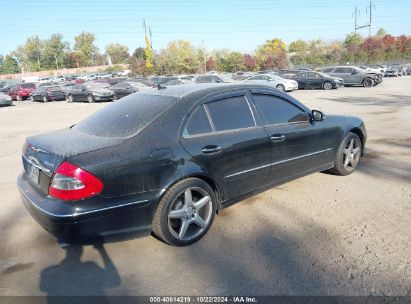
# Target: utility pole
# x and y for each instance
(369, 10)
(355, 20)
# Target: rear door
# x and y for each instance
(297, 143)
(224, 138)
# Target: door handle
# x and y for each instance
(211, 149)
(277, 137)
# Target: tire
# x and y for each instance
(70, 98)
(327, 85)
(90, 99)
(19, 98)
(45, 99)
(368, 82)
(280, 87)
(342, 166)
(181, 206)
(31, 98)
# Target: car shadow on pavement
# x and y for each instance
(75, 277)
(385, 100)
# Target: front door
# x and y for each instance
(297, 143)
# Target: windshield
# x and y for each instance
(97, 85)
(126, 117)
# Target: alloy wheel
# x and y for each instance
(190, 214)
(351, 154)
(328, 86)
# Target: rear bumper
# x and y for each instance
(69, 223)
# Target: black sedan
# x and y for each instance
(48, 93)
(167, 160)
(89, 92)
(126, 88)
(317, 80)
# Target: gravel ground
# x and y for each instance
(319, 235)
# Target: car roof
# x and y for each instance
(201, 89)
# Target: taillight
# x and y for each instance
(71, 183)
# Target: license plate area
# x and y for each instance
(34, 174)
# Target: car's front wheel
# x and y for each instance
(280, 87)
(327, 85)
(348, 155)
(70, 98)
(19, 98)
(185, 212)
(90, 98)
(45, 99)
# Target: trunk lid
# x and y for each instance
(42, 154)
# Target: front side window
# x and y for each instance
(276, 110)
(231, 113)
(198, 123)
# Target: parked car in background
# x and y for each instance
(145, 81)
(160, 80)
(172, 82)
(392, 71)
(408, 70)
(46, 84)
(21, 91)
(353, 75)
(317, 80)
(48, 93)
(212, 79)
(275, 81)
(66, 85)
(5, 87)
(5, 100)
(165, 161)
(126, 88)
(89, 92)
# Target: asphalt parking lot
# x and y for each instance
(319, 235)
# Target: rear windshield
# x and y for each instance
(126, 117)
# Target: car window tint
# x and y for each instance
(342, 70)
(276, 110)
(126, 117)
(327, 70)
(231, 113)
(198, 123)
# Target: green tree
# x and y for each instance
(55, 51)
(9, 66)
(148, 51)
(381, 33)
(85, 47)
(180, 56)
(119, 53)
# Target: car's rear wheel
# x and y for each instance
(280, 87)
(368, 82)
(348, 155)
(70, 98)
(31, 98)
(90, 98)
(185, 212)
(19, 98)
(45, 99)
(327, 85)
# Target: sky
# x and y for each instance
(240, 25)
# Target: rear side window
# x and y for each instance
(198, 123)
(126, 117)
(342, 70)
(327, 70)
(231, 113)
(276, 110)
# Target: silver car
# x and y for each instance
(353, 75)
(275, 81)
(5, 100)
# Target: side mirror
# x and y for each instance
(317, 115)
(354, 72)
(83, 90)
(127, 88)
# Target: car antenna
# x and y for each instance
(160, 87)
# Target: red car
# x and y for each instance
(21, 91)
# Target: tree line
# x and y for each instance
(181, 56)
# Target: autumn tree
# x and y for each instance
(180, 56)
(272, 54)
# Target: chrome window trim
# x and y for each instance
(278, 162)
